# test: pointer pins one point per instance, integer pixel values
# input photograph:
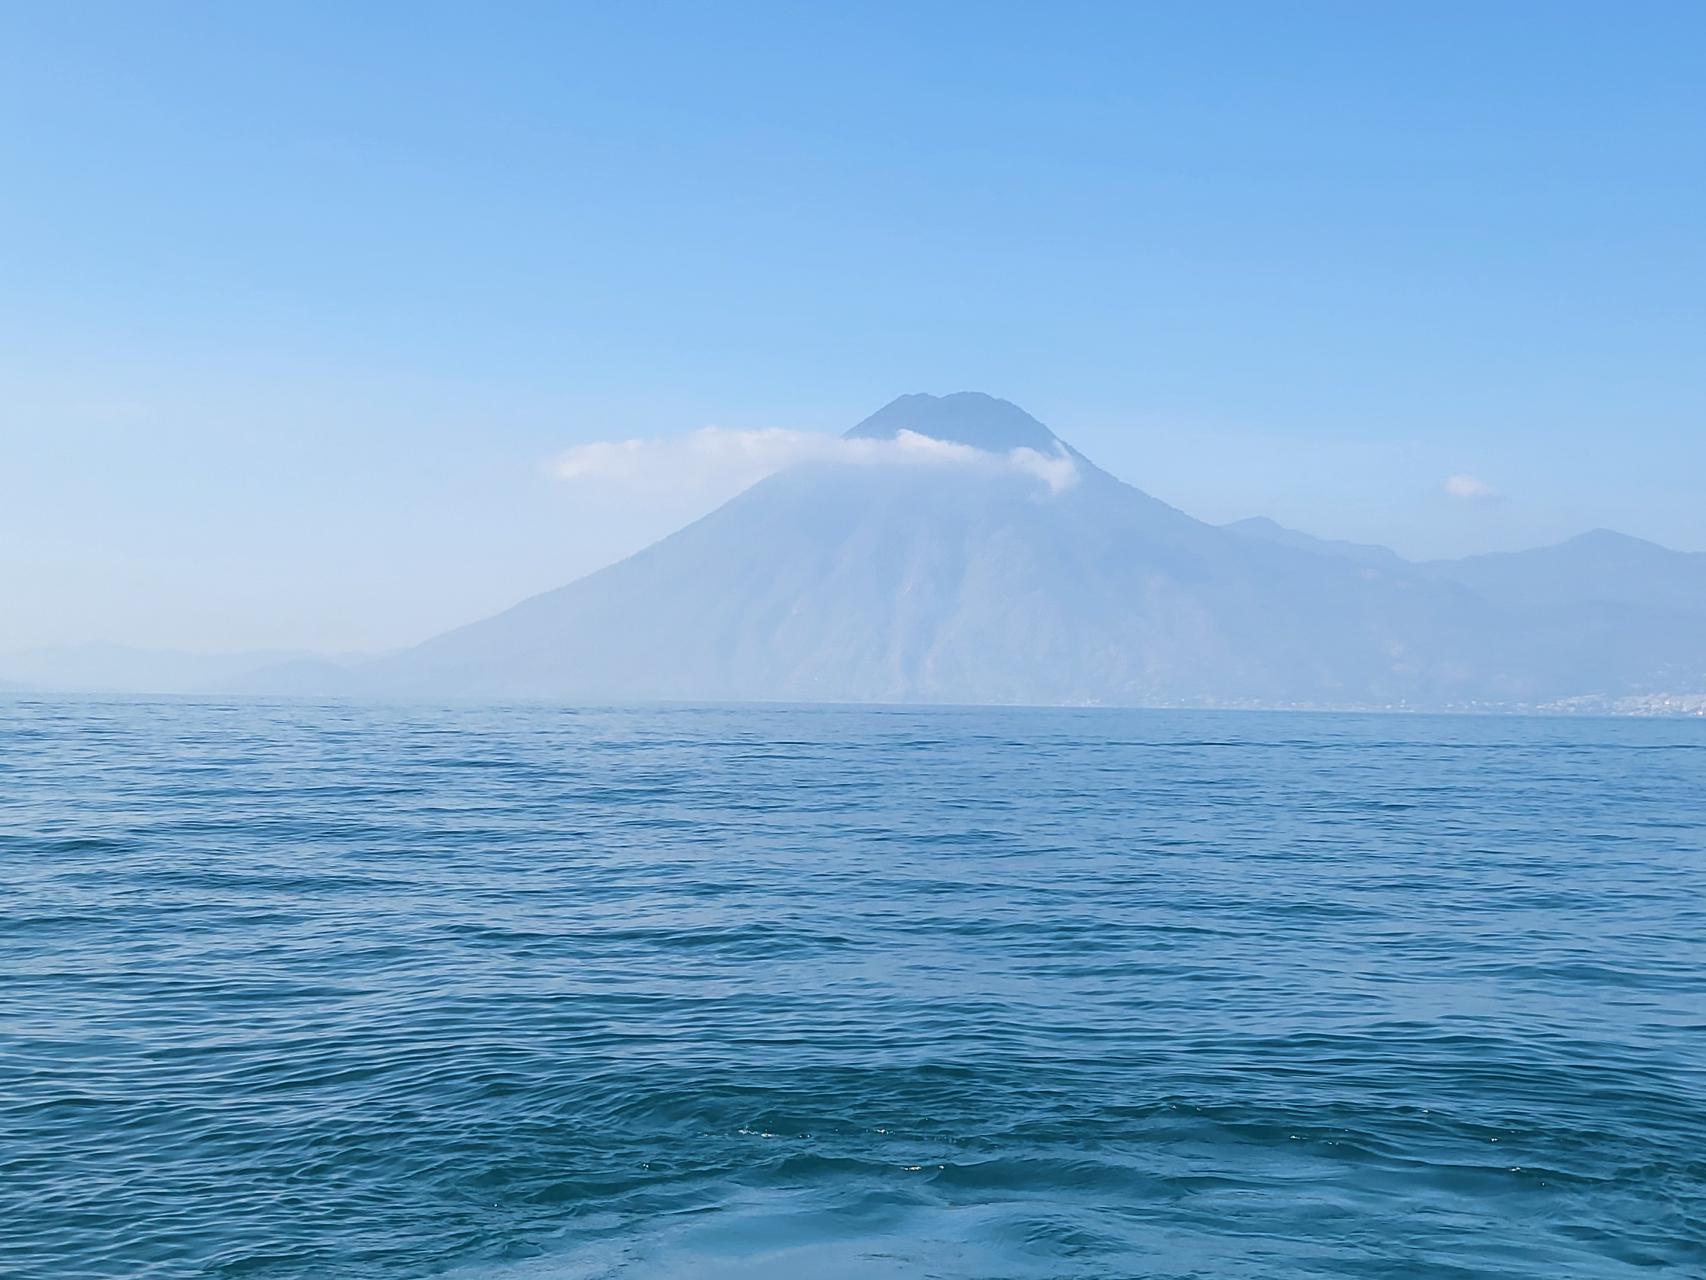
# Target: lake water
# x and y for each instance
(345, 991)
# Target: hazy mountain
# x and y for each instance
(1602, 570)
(974, 582)
(297, 677)
(1615, 619)
(955, 550)
(112, 668)
(1362, 552)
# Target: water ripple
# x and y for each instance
(531, 992)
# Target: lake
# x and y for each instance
(299, 990)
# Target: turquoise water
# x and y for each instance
(299, 991)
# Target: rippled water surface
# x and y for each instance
(304, 991)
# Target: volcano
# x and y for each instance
(1001, 565)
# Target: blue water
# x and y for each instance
(299, 991)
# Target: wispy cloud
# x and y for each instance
(1469, 488)
(719, 457)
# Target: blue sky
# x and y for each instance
(300, 300)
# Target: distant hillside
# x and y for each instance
(1362, 552)
(1601, 570)
(110, 668)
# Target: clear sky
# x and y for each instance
(298, 301)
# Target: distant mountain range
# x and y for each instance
(960, 552)
(114, 668)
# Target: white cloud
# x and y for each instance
(720, 458)
(1469, 488)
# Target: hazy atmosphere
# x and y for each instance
(318, 324)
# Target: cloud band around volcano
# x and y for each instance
(724, 455)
